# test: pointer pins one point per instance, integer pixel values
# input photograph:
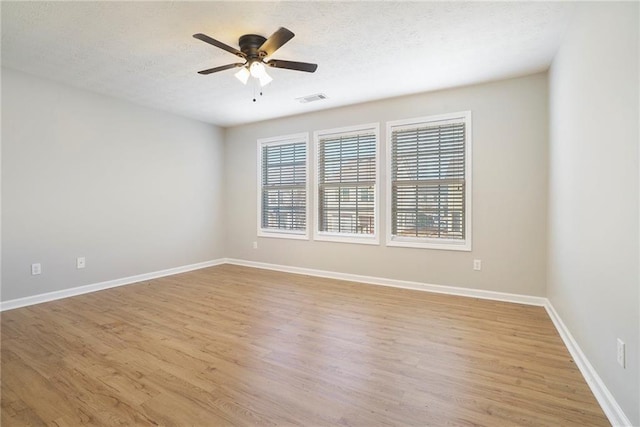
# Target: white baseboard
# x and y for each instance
(612, 410)
(440, 289)
(65, 293)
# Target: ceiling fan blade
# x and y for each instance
(293, 65)
(205, 38)
(276, 41)
(221, 68)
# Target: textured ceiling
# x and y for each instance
(144, 52)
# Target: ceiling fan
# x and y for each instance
(253, 50)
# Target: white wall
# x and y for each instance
(510, 135)
(593, 279)
(131, 189)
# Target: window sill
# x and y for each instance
(283, 235)
(430, 244)
(347, 238)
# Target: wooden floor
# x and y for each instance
(231, 345)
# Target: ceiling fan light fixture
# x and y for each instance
(243, 75)
(257, 69)
(265, 79)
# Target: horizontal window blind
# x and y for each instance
(284, 186)
(428, 181)
(346, 183)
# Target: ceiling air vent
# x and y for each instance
(311, 98)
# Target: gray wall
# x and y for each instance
(593, 194)
(510, 136)
(131, 189)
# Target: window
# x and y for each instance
(347, 193)
(282, 187)
(429, 182)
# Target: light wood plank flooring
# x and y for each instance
(230, 345)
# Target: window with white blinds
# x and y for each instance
(429, 182)
(283, 186)
(347, 170)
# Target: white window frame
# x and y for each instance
(281, 140)
(373, 239)
(422, 242)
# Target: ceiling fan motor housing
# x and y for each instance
(249, 45)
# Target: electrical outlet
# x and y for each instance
(620, 354)
(255, 245)
(80, 262)
(477, 264)
(36, 269)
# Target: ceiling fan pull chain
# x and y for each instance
(254, 90)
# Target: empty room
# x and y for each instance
(317, 213)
